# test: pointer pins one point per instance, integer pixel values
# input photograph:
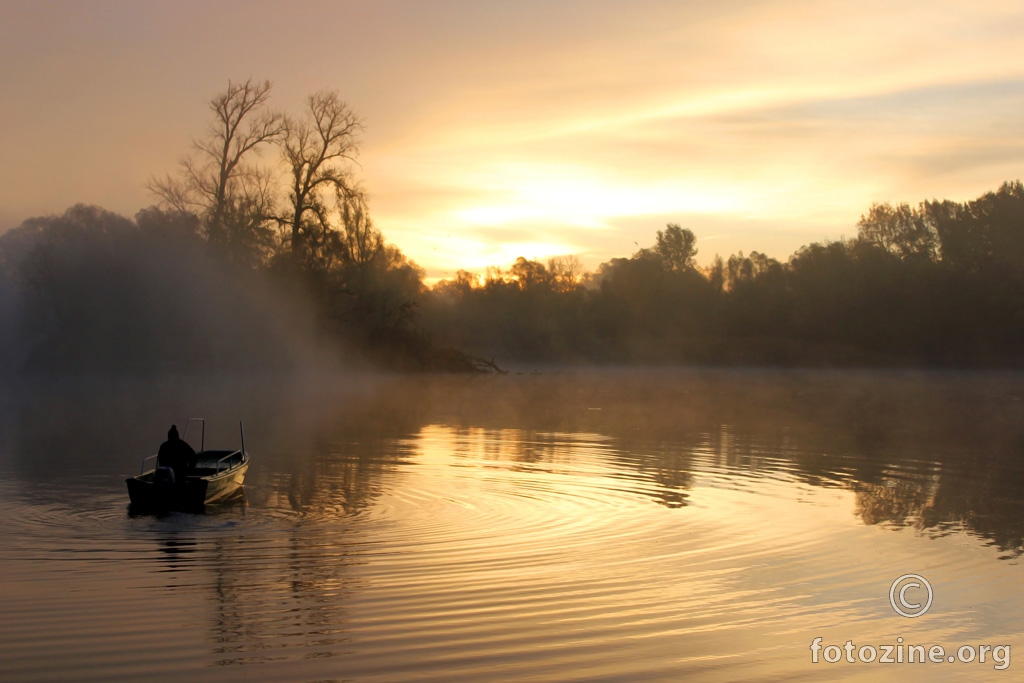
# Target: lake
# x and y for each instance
(615, 525)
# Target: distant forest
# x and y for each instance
(278, 265)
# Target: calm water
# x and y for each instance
(612, 526)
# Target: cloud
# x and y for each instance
(579, 125)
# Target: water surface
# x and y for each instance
(611, 526)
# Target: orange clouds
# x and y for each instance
(537, 129)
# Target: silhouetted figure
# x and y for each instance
(177, 455)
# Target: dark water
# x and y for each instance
(613, 526)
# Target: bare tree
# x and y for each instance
(566, 272)
(363, 241)
(218, 181)
(317, 151)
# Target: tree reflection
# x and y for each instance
(932, 451)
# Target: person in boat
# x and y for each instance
(176, 454)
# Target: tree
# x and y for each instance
(900, 230)
(715, 274)
(362, 240)
(460, 286)
(744, 269)
(566, 272)
(985, 232)
(529, 274)
(218, 181)
(317, 149)
(676, 247)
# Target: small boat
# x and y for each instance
(217, 476)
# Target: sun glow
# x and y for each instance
(538, 131)
(578, 197)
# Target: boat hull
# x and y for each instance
(208, 485)
(225, 484)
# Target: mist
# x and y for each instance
(262, 255)
(92, 292)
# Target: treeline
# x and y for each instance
(262, 254)
(940, 284)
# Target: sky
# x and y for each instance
(501, 129)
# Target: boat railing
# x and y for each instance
(227, 465)
(142, 470)
(202, 437)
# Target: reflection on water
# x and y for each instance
(605, 526)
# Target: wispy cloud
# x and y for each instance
(537, 128)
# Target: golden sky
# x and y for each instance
(500, 129)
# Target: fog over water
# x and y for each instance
(602, 525)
